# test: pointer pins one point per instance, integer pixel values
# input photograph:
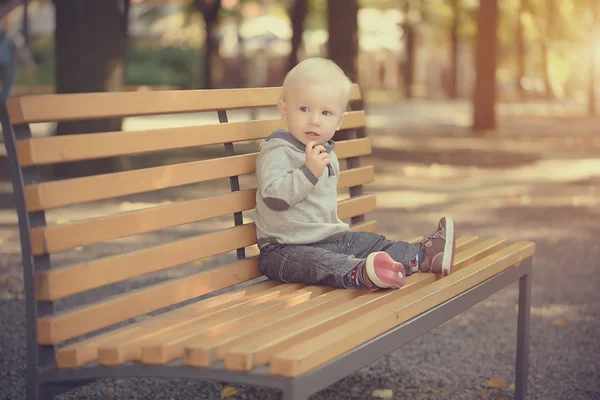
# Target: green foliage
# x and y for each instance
(147, 64)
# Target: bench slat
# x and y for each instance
(356, 177)
(68, 192)
(57, 283)
(303, 357)
(206, 350)
(353, 148)
(251, 354)
(58, 149)
(164, 340)
(356, 206)
(56, 238)
(100, 187)
(53, 239)
(367, 226)
(170, 347)
(69, 107)
(84, 319)
(85, 351)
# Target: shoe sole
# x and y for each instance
(393, 281)
(449, 248)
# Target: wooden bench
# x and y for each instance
(97, 306)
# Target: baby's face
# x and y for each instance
(313, 111)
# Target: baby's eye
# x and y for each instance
(304, 109)
(327, 113)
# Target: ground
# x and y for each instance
(536, 178)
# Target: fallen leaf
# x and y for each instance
(228, 391)
(110, 390)
(560, 322)
(382, 394)
(464, 322)
(496, 383)
(512, 386)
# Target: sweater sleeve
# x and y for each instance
(281, 183)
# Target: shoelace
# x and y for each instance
(429, 242)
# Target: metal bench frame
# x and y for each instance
(45, 380)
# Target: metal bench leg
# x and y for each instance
(294, 391)
(522, 366)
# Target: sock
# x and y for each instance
(358, 277)
(416, 262)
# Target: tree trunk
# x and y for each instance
(210, 11)
(484, 98)
(297, 13)
(342, 46)
(593, 51)
(520, 39)
(454, 50)
(545, 40)
(409, 65)
(90, 45)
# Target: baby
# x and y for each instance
(300, 236)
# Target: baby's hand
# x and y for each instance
(316, 158)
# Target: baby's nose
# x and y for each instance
(315, 118)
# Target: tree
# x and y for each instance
(90, 47)
(484, 98)
(210, 12)
(593, 50)
(521, 47)
(342, 46)
(297, 12)
(454, 41)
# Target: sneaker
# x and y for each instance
(384, 272)
(438, 249)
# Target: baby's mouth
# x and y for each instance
(311, 133)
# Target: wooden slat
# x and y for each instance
(325, 346)
(367, 226)
(99, 187)
(356, 177)
(58, 149)
(69, 107)
(170, 346)
(353, 148)
(203, 351)
(125, 348)
(52, 239)
(57, 283)
(356, 206)
(250, 354)
(85, 351)
(59, 327)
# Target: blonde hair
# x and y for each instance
(318, 70)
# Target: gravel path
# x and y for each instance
(456, 360)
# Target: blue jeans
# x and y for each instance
(328, 263)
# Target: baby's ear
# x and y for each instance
(339, 125)
(282, 109)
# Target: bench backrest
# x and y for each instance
(70, 291)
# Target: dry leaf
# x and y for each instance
(496, 383)
(512, 386)
(109, 389)
(560, 322)
(228, 391)
(382, 394)
(464, 322)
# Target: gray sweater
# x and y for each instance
(293, 206)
